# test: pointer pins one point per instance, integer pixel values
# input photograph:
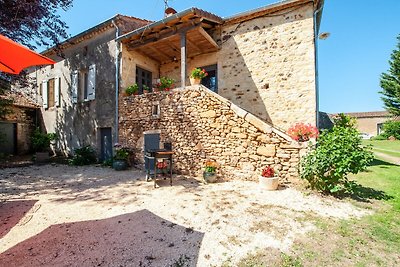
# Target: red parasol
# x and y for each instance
(15, 57)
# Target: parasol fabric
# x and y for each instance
(15, 57)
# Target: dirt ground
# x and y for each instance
(58, 215)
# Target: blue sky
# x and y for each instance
(363, 35)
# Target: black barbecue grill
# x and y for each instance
(153, 154)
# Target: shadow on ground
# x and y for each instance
(134, 239)
(366, 194)
(70, 183)
(381, 163)
(11, 212)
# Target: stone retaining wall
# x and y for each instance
(204, 126)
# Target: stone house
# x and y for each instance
(77, 94)
(262, 80)
(16, 127)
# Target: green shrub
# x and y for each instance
(379, 137)
(337, 153)
(41, 141)
(84, 156)
(392, 128)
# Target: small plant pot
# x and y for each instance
(268, 183)
(210, 177)
(120, 165)
(195, 81)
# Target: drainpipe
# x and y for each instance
(316, 65)
(117, 51)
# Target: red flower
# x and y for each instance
(268, 172)
(303, 132)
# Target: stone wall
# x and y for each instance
(203, 125)
(266, 66)
(25, 119)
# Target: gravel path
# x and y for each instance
(57, 215)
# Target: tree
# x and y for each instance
(390, 83)
(33, 22)
(338, 152)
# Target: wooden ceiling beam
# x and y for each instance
(208, 37)
(163, 34)
(157, 51)
(194, 45)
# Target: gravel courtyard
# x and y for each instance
(58, 215)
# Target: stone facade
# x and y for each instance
(79, 124)
(23, 114)
(265, 65)
(204, 126)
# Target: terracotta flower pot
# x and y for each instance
(268, 183)
(195, 81)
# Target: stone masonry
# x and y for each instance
(205, 126)
(266, 66)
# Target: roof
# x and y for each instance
(370, 114)
(272, 9)
(19, 100)
(173, 20)
(125, 23)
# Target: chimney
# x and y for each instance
(169, 12)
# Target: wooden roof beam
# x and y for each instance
(208, 37)
(158, 51)
(160, 36)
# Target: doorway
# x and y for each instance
(8, 138)
(106, 144)
(211, 80)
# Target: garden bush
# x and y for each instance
(391, 128)
(84, 156)
(337, 153)
(41, 141)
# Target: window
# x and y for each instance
(50, 91)
(40, 89)
(143, 77)
(211, 81)
(155, 112)
(83, 85)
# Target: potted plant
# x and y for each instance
(41, 144)
(209, 174)
(196, 75)
(132, 90)
(268, 180)
(146, 89)
(164, 84)
(302, 132)
(121, 157)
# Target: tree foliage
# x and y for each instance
(33, 22)
(337, 153)
(391, 128)
(390, 83)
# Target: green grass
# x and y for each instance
(373, 240)
(391, 148)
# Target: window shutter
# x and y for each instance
(92, 82)
(57, 83)
(74, 87)
(44, 91)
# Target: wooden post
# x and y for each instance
(183, 59)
